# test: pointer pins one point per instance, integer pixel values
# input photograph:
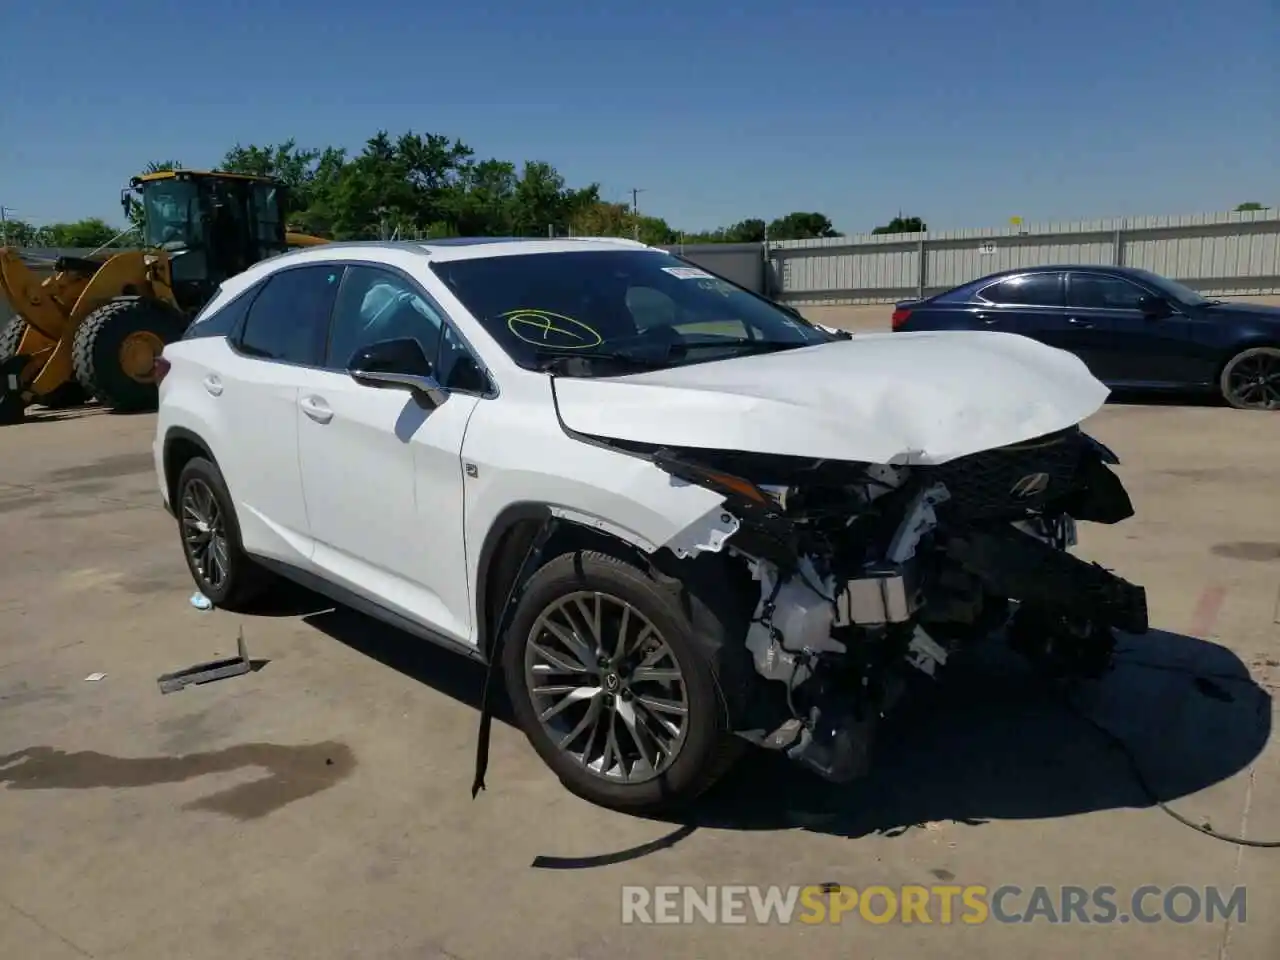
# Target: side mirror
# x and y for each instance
(1154, 308)
(397, 363)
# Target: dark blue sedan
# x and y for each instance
(1134, 329)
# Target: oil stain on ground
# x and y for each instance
(292, 773)
(122, 465)
(1245, 550)
(12, 502)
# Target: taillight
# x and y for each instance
(899, 317)
(159, 368)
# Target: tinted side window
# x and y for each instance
(1036, 290)
(1103, 293)
(224, 321)
(375, 305)
(289, 318)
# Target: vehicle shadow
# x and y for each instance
(1163, 398)
(995, 744)
(450, 673)
(990, 744)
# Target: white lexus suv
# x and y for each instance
(676, 518)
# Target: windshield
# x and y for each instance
(172, 213)
(1171, 288)
(618, 310)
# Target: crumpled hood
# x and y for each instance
(903, 398)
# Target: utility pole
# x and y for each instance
(635, 210)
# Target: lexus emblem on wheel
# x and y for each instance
(1031, 485)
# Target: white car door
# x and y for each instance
(253, 408)
(382, 467)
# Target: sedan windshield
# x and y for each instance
(617, 311)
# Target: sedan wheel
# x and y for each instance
(1251, 381)
(608, 688)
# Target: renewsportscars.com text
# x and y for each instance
(937, 904)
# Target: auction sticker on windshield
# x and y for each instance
(688, 273)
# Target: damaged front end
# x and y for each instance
(867, 573)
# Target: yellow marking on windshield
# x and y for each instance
(544, 328)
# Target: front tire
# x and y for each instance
(210, 533)
(617, 680)
(1251, 379)
(114, 350)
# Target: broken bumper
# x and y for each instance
(1013, 564)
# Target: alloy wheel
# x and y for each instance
(1254, 381)
(606, 687)
(204, 534)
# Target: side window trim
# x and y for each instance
(235, 339)
(446, 321)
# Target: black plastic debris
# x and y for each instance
(208, 672)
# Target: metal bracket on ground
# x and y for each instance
(208, 672)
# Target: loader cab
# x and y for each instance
(211, 225)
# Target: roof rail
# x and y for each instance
(621, 241)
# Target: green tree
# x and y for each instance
(901, 224)
(430, 185)
(751, 231)
(1252, 205)
(801, 226)
(19, 233)
(91, 232)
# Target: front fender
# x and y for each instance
(519, 464)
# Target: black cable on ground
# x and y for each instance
(1141, 779)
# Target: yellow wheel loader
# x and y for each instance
(96, 326)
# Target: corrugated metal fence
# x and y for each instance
(1222, 254)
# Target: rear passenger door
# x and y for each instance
(1034, 305)
(255, 397)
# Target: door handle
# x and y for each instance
(1077, 322)
(316, 409)
(987, 318)
(213, 385)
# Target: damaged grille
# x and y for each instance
(1002, 484)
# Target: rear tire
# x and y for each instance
(210, 534)
(11, 335)
(667, 628)
(106, 337)
(1251, 379)
(69, 394)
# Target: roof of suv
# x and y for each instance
(446, 248)
(468, 248)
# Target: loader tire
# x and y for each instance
(69, 394)
(108, 342)
(10, 336)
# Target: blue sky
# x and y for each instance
(965, 113)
